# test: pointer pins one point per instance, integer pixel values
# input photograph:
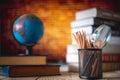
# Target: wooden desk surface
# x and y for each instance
(66, 76)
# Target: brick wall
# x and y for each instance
(56, 16)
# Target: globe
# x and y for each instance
(27, 30)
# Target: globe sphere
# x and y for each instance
(27, 29)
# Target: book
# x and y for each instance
(87, 29)
(111, 49)
(23, 60)
(97, 12)
(82, 23)
(94, 21)
(90, 24)
(88, 20)
(74, 67)
(111, 53)
(0, 39)
(30, 70)
(106, 57)
(72, 58)
(110, 57)
(110, 66)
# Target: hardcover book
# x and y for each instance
(30, 70)
(88, 29)
(94, 21)
(110, 66)
(105, 66)
(114, 58)
(23, 60)
(97, 12)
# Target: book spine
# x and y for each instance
(97, 12)
(95, 22)
(99, 21)
(115, 40)
(105, 14)
(105, 67)
(87, 29)
(70, 58)
(110, 57)
(0, 40)
(5, 71)
(110, 66)
(115, 26)
(83, 14)
(21, 71)
(82, 23)
(23, 60)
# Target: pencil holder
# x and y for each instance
(90, 63)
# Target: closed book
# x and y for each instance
(72, 49)
(73, 67)
(31, 70)
(90, 24)
(105, 66)
(108, 57)
(110, 66)
(23, 60)
(97, 12)
(82, 23)
(88, 29)
(72, 57)
(94, 21)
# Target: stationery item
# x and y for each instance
(82, 40)
(101, 36)
(90, 58)
(90, 51)
(90, 63)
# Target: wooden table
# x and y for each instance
(65, 76)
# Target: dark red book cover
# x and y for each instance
(110, 57)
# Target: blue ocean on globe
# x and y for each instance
(27, 29)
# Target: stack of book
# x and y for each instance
(19, 66)
(88, 20)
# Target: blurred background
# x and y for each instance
(56, 16)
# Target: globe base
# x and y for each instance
(28, 50)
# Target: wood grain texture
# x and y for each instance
(66, 76)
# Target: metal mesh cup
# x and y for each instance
(90, 63)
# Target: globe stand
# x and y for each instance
(28, 50)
